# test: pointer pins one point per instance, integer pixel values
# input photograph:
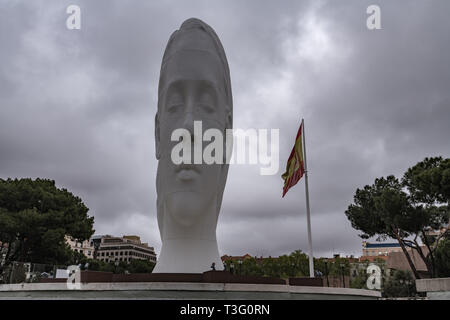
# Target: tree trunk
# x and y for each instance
(8, 251)
(408, 258)
(17, 249)
(425, 260)
(430, 253)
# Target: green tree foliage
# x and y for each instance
(134, 266)
(250, 267)
(428, 184)
(35, 216)
(337, 267)
(293, 265)
(360, 280)
(385, 209)
(78, 258)
(401, 284)
(17, 273)
(140, 266)
(442, 257)
(296, 264)
(97, 265)
(429, 181)
(271, 267)
(299, 262)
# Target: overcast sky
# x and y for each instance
(78, 106)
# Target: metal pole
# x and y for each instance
(308, 214)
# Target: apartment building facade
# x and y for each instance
(379, 249)
(113, 248)
(85, 247)
(125, 249)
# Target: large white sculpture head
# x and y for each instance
(194, 85)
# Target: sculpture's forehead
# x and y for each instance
(191, 39)
(192, 64)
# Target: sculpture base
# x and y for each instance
(206, 277)
(216, 285)
(180, 291)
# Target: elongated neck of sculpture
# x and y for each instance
(188, 220)
(188, 256)
(189, 248)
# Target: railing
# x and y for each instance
(27, 272)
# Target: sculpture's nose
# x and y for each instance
(188, 124)
(189, 116)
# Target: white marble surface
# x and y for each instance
(194, 86)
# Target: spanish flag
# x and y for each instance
(295, 167)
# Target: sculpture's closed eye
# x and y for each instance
(206, 102)
(206, 107)
(175, 108)
(174, 101)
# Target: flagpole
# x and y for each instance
(308, 213)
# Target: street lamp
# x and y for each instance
(326, 271)
(408, 284)
(97, 243)
(3, 259)
(343, 276)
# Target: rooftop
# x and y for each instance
(382, 245)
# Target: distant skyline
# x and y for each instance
(78, 107)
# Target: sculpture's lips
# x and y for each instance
(186, 172)
(183, 166)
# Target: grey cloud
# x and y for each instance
(78, 106)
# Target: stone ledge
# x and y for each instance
(433, 285)
(193, 287)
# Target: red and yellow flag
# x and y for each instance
(295, 167)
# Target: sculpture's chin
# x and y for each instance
(187, 207)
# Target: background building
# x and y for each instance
(379, 249)
(124, 248)
(113, 248)
(85, 247)
(226, 258)
(398, 261)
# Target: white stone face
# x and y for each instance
(194, 86)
